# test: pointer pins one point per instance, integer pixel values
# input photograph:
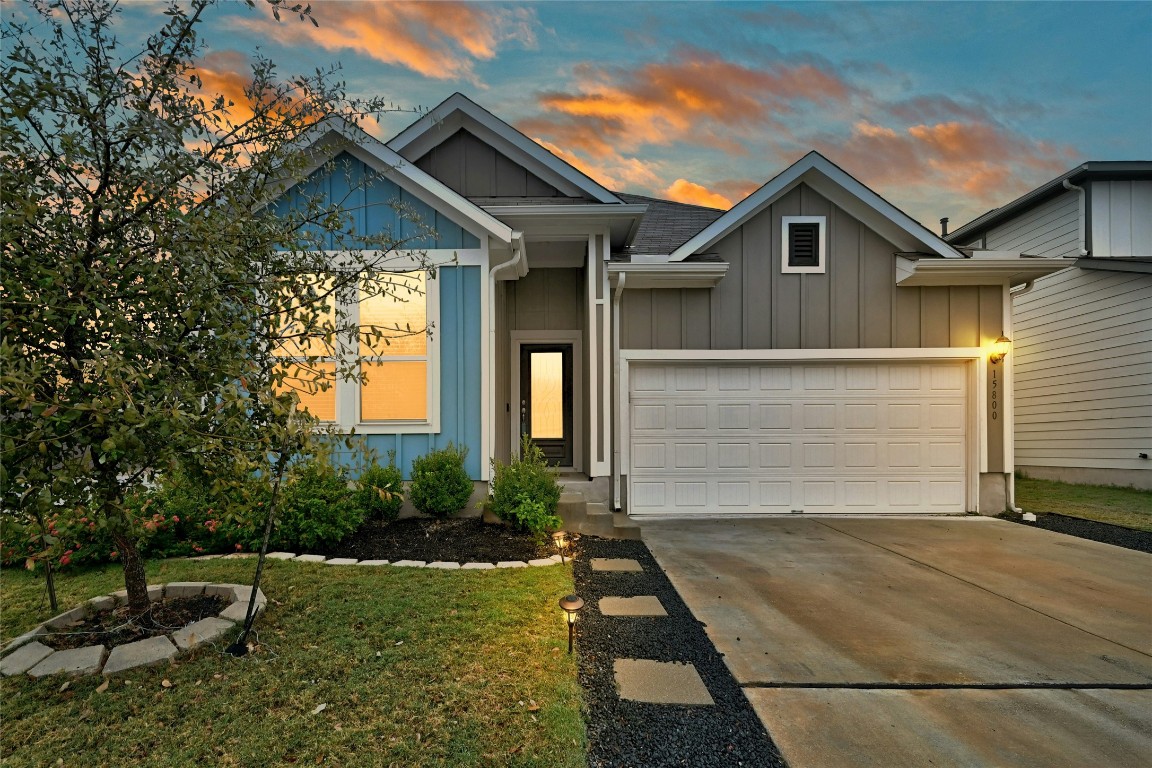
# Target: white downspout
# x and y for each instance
(620, 278)
(1082, 217)
(517, 255)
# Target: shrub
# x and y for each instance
(440, 484)
(316, 507)
(525, 492)
(379, 491)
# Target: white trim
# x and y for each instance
(675, 275)
(438, 124)
(831, 181)
(773, 355)
(518, 339)
(1011, 272)
(786, 223)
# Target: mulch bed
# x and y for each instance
(117, 627)
(461, 540)
(1141, 541)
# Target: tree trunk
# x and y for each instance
(135, 580)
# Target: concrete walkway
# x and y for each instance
(911, 642)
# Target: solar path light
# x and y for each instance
(571, 605)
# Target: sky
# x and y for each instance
(945, 109)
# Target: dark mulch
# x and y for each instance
(1141, 541)
(117, 627)
(461, 540)
(626, 733)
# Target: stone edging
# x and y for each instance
(26, 654)
(441, 565)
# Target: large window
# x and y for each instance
(394, 351)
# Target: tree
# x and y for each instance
(147, 290)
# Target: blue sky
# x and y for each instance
(946, 109)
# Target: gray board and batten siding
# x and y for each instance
(475, 169)
(855, 304)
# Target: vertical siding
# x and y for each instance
(1083, 370)
(458, 333)
(473, 168)
(856, 304)
(1121, 218)
(547, 300)
(1050, 229)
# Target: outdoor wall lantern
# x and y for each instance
(571, 605)
(1000, 348)
(560, 540)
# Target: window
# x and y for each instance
(396, 356)
(802, 247)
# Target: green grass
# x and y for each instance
(1127, 507)
(416, 667)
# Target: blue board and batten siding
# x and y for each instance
(370, 201)
(461, 372)
(373, 204)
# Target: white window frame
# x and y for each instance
(821, 244)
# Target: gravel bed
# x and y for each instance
(1141, 541)
(625, 733)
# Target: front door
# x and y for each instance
(546, 399)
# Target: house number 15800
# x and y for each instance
(995, 396)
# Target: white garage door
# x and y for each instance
(723, 439)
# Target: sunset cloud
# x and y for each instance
(613, 171)
(440, 40)
(684, 191)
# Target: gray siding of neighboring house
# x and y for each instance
(1121, 218)
(1083, 367)
(1050, 229)
(474, 169)
(855, 304)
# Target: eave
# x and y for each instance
(622, 221)
(942, 272)
(671, 275)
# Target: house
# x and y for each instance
(812, 350)
(1083, 336)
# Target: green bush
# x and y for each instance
(379, 492)
(440, 484)
(316, 508)
(525, 492)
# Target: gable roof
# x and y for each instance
(834, 183)
(334, 134)
(666, 224)
(1096, 170)
(443, 120)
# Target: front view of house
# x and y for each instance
(812, 350)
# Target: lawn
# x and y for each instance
(1127, 507)
(416, 668)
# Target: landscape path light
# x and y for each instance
(571, 605)
(560, 539)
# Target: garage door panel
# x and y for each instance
(811, 437)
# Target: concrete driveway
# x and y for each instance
(919, 642)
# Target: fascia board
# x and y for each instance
(672, 275)
(833, 182)
(433, 128)
(622, 220)
(941, 272)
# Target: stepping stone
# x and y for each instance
(409, 563)
(341, 561)
(309, 558)
(142, 653)
(478, 566)
(511, 564)
(444, 565)
(542, 561)
(616, 564)
(645, 605)
(660, 682)
(372, 562)
(237, 612)
(77, 661)
(24, 658)
(185, 589)
(280, 556)
(203, 631)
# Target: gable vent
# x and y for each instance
(803, 245)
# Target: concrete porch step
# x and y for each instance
(594, 518)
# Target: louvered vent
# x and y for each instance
(803, 245)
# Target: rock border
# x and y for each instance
(438, 565)
(27, 655)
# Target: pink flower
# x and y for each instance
(175, 519)
(67, 558)
(113, 554)
(238, 547)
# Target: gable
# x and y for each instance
(476, 170)
(374, 204)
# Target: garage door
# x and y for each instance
(724, 439)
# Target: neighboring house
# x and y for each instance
(811, 350)
(1083, 336)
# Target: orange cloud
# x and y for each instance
(684, 191)
(441, 40)
(615, 172)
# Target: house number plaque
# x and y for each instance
(994, 385)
